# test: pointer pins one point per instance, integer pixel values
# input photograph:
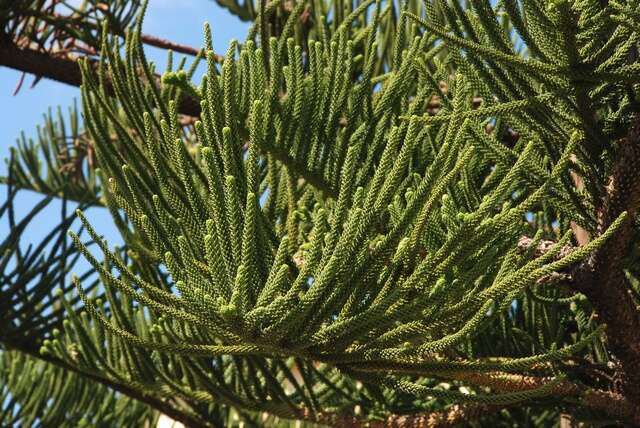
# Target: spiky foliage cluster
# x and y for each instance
(375, 219)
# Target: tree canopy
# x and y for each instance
(367, 213)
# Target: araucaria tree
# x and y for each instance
(368, 213)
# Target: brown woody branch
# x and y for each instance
(612, 404)
(168, 44)
(144, 38)
(457, 415)
(65, 69)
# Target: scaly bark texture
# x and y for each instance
(602, 279)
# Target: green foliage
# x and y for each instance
(336, 236)
(29, 310)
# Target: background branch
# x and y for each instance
(65, 69)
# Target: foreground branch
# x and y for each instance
(457, 415)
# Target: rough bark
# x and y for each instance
(601, 277)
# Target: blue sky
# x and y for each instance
(179, 21)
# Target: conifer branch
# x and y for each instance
(601, 277)
(457, 415)
(296, 168)
(58, 20)
(349, 300)
(614, 405)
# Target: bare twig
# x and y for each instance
(168, 44)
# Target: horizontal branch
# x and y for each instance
(612, 404)
(168, 44)
(78, 20)
(65, 69)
